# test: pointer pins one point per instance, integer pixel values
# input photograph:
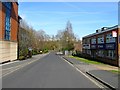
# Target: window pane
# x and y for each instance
(7, 24)
(7, 4)
(109, 38)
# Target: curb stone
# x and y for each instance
(100, 80)
(68, 60)
(105, 83)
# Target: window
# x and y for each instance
(93, 40)
(100, 39)
(111, 54)
(83, 51)
(89, 52)
(109, 38)
(100, 53)
(84, 41)
(7, 4)
(7, 20)
(88, 41)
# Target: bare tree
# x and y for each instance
(66, 37)
(39, 40)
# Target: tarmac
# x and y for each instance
(99, 72)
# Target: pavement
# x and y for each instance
(50, 71)
(9, 67)
(99, 72)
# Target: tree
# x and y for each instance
(66, 38)
(27, 38)
(39, 40)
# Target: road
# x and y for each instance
(51, 71)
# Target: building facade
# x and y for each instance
(8, 31)
(104, 45)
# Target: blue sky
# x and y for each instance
(85, 17)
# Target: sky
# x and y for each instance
(86, 17)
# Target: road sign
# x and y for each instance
(114, 33)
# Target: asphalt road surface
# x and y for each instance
(50, 71)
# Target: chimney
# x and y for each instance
(96, 31)
(104, 28)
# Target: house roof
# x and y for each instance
(106, 30)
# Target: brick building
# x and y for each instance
(104, 45)
(8, 31)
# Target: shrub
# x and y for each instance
(34, 52)
(23, 53)
(45, 51)
(21, 58)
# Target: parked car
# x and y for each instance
(59, 53)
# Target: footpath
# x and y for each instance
(15, 65)
(99, 72)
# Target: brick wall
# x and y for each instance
(14, 22)
(8, 49)
(2, 24)
(0, 20)
(115, 61)
(119, 46)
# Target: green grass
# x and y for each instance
(93, 62)
(115, 71)
(86, 60)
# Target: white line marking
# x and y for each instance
(21, 66)
(12, 67)
(100, 86)
(9, 63)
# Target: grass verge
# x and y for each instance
(86, 60)
(93, 62)
(115, 71)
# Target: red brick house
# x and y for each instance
(104, 45)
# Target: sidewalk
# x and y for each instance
(20, 62)
(99, 72)
(15, 65)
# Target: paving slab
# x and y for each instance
(109, 78)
